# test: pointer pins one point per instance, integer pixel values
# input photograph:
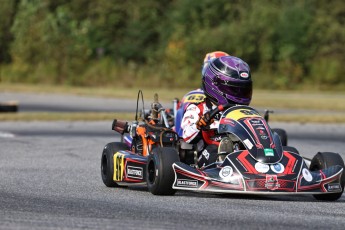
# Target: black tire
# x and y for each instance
(8, 107)
(283, 136)
(160, 174)
(107, 162)
(324, 160)
(290, 149)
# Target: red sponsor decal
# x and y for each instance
(272, 182)
(228, 121)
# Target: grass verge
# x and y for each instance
(85, 116)
(305, 118)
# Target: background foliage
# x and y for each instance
(288, 44)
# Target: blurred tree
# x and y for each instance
(328, 38)
(286, 43)
(48, 35)
(8, 12)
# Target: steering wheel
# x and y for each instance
(206, 135)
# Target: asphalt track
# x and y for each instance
(50, 179)
(45, 102)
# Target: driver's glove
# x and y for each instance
(204, 121)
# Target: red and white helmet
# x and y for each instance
(210, 56)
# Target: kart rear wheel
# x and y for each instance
(324, 160)
(283, 136)
(107, 162)
(160, 174)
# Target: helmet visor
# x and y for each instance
(237, 91)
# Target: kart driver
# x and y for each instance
(211, 56)
(225, 79)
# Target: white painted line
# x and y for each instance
(6, 135)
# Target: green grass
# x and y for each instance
(324, 101)
(305, 118)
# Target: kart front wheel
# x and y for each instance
(107, 162)
(160, 174)
(324, 160)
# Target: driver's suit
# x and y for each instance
(207, 149)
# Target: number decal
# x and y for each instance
(249, 112)
(194, 98)
(242, 113)
(118, 166)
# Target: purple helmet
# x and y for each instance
(227, 80)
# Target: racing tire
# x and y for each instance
(324, 160)
(9, 107)
(107, 162)
(283, 136)
(160, 174)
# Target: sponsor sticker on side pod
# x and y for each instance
(269, 152)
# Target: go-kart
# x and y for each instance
(124, 163)
(251, 160)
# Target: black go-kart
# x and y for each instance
(251, 160)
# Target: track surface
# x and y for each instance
(43, 102)
(50, 179)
